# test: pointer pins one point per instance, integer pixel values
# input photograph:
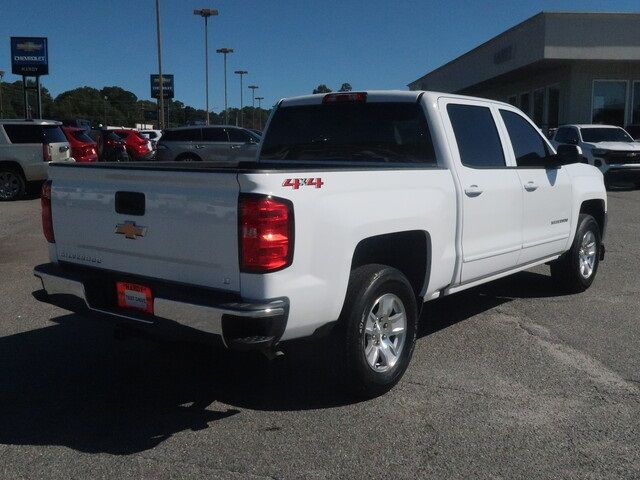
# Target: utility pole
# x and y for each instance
(1, 108)
(161, 83)
(241, 73)
(260, 110)
(206, 13)
(253, 105)
(225, 51)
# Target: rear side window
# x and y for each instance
(35, 134)
(239, 136)
(476, 135)
(184, 135)
(214, 135)
(528, 145)
(23, 133)
(392, 132)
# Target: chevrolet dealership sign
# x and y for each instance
(29, 56)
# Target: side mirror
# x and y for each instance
(568, 154)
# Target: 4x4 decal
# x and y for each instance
(296, 183)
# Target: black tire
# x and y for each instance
(567, 269)
(12, 183)
(367, 284)
(188, 157)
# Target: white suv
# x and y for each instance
(608, 147)
(26, 148)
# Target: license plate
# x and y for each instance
(134, 296)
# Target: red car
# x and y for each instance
(138, 147)
(83, 148)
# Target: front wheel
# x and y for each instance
(576, 269)
(377, 330)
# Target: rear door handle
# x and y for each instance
(530, 186)
(235, 147)
(199, 146)
(472, 191)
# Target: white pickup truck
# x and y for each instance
(358, 208)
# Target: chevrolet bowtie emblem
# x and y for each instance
(130, 230)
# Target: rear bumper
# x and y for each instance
(241, 325)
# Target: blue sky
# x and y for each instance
(288, 46)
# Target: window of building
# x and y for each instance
(528, 145)
(635, 107)
(476, 135)
(525, 100)
(538, 107)
(608, 102)
(513, 100)
(553, 106)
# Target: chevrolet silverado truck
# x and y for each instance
(358, 208)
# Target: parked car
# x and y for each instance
(634, 131)
(110, 147)
(83, 147)
(153, 136)
(78, 123)
(220, 143)
(607, 147)
(256, 131)
(361, 207)
(26, 149)
(138, 146)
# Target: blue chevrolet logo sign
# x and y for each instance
(29, 56)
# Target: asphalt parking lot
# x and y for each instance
(508, 380)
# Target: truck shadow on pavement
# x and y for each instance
(72, 384)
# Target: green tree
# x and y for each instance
(322, 88)
(345, 87)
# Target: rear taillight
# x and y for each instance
(47, 220)
(266, 229)
(46, 152)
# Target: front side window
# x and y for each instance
(596, 135)
(239, 136)
(608, 102)
(385, 132)
(476, 135)
(182, 135)
(528, 145)
(567, 135)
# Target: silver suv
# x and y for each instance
(220, 143)
(26, 148)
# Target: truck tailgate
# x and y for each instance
(174, 225)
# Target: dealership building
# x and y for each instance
(557, 67)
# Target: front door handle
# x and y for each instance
(199, 146)
(472, 191)
(235, 147)
(530, 186)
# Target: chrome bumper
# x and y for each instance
(203, 318)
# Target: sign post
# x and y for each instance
(30, 58)
(167, 89)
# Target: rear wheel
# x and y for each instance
(577, 268)
(12, 183)
(377, 330)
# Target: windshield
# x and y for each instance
(361, 132)
(596, 135)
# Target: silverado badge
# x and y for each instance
(130, 230)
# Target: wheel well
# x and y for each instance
(595, 208)
(14, 165)
(408, 251)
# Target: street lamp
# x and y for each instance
(206, 13)
(225, 51)
(241, 73)
(161, 84)
(1, 77)
(105, 111)
(253, 105)
(260, 109)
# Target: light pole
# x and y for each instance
(225, 51)
(260, 109)
(1, 109)
(105, 111)
(253, 105)
(161, 85)
(206, 13)
(241, 73)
